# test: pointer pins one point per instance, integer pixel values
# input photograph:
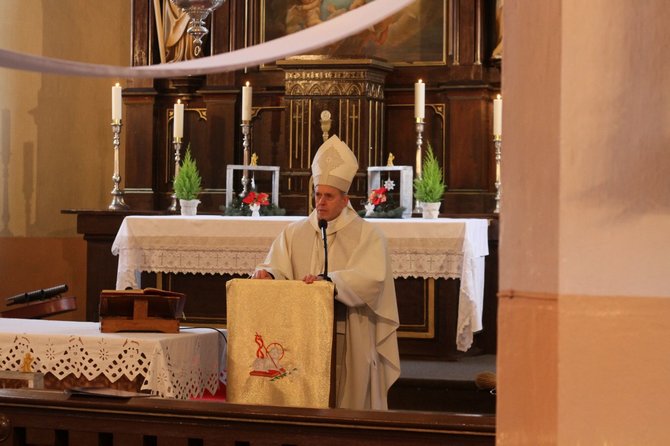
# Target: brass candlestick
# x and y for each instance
(246, 130)
(176, 142)
(118, 203)
(497, 140)
(419, 157)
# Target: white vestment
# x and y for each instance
(359, 265)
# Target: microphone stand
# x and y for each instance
(323, 224)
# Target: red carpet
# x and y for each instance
(219, 395)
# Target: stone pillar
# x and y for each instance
(584, 337)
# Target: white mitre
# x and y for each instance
(334, 165)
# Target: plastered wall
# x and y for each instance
(55, 139)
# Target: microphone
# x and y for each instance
(323, 225)
(31, 296)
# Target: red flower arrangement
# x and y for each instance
(378, 196)
(260, 198)
(381, 204)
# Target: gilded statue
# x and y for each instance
(498, 50)
(175, 43)
(389, 163)
(27, 363)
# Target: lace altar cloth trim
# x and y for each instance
(430, 248)
(173, 365)
(404, 263)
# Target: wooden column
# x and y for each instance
(352, 91)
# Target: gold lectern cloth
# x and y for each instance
(280, 336)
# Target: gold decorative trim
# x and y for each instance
(428, 315)
(329, 83)
(449, 40)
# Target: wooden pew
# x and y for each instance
(41, 417)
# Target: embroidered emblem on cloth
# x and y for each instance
(268, 360)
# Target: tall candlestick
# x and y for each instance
(176, 142)
(116, 103)
(497, 140)
(246, 102)
(419, 100)
(178, 127)
(497, 116)
(419, 156)
(118, 202)
(246, 131)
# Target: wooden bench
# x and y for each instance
(43, 417)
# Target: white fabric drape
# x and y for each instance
(300, 42)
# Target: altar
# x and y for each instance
(422, 248)
(180, 365)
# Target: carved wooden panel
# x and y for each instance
(372, 110)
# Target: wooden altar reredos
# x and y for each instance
(371, 102)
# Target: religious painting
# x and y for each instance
(416, 34)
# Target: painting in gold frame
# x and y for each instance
(417, 35)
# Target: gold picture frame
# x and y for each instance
(415, 36)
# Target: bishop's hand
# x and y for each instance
(310, 278)
(261, 274)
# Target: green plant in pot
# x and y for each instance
(429, 186)
(187, 185)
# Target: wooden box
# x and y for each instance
(150, 309)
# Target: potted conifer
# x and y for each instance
(187, 185)
(429, 186)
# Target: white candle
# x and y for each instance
(419, 99)
(246, 102)
(116, 102)
(178, 127)
(497, 116)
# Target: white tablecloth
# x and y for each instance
(438, 248)
(178, 365)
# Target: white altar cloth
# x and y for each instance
(438, 248)
(177, 365)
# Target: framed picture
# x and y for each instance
(416, 35)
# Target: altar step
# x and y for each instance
(443, 386)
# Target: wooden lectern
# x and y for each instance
(42, 308)
(149, 309)
(280, 343)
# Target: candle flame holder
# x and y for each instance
(118, 204)
(497, 141)
(176, 143)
